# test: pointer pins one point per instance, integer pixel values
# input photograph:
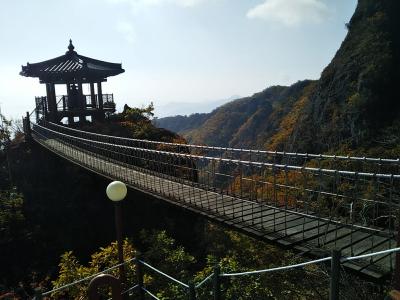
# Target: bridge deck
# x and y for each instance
(292, 229)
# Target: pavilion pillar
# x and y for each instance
(51, 102)
(92, 95)
(54, 101)
(81, 103)
(100, 100)
(69, 105)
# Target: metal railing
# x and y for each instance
(217, 277)
(266, 196)
(64, 103)
(342, 162)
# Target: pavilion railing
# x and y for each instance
(64, 104)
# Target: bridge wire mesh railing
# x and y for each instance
(267, 196)
(366, 164)
(335, 285)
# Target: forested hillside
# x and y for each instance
(353, 106)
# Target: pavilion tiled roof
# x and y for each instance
(71, 67)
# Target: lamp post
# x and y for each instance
(116, 191)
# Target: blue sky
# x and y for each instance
(172, 50)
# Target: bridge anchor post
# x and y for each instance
(139, 275)
(396, 272)
(335, 275)
(192, 291)
(217, 283)
(27, 126)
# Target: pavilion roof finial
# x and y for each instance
(70, 46)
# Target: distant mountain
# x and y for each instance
(237, 123)
(187, 108)
(354, 106)
(181, 124)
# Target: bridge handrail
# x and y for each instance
(31, 113)
(150, 293)
(164, 274)
(200, 284)
(281, 153)
(387, 251)
(346, 259)
(87, 278)
(277, 268)
(254, 272)
(265, 164)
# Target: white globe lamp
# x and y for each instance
(116, 191)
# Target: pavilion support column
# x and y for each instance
(54, 101)
(69, 97)
(100, 100)
(81, 104)
(51, 101)
(69, 105)
(92, 95)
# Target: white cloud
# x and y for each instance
(290, 12)
(127, 30)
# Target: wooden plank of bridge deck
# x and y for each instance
(298, 240)
(380, 264)
(270, 222)
(316, 235)
(238, 210)
(302, 235)
(346, 243)
(331, 237)
(299, 224)
(265, 214)
(379, 259)
(311, 229)
(280, 223)
(228, 205)
(214, 202)
(273, 222)
(257, 214)
(259, 210)
(220, 202)
(366, 245)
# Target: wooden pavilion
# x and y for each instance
(73, 70)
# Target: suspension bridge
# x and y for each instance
(310, 203)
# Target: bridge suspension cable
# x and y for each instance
(230, 149)
(237, 161)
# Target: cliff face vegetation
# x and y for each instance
(354, 106)
(356, 103)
